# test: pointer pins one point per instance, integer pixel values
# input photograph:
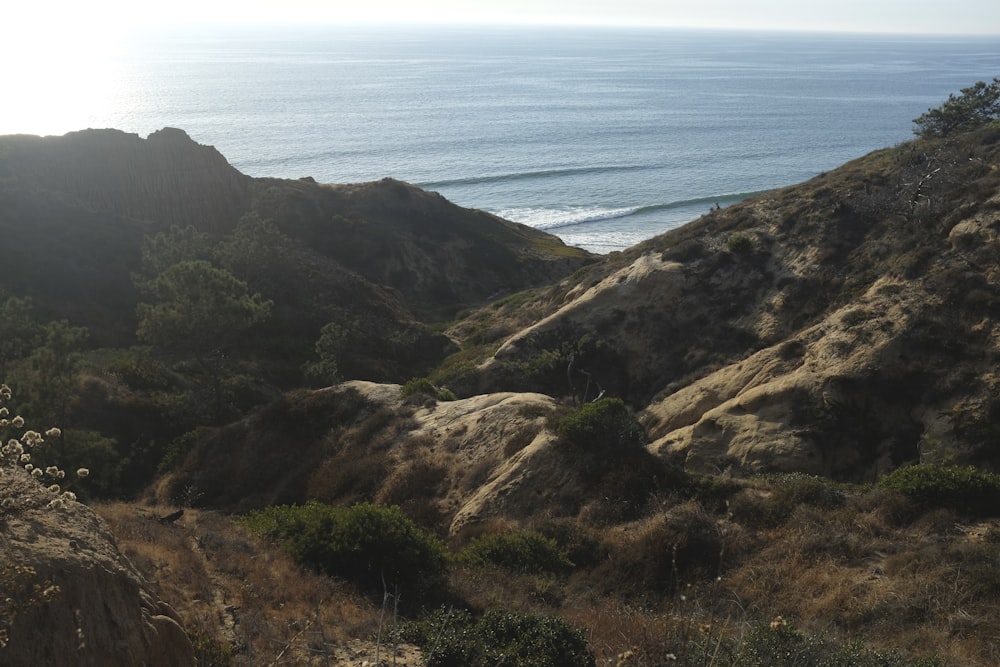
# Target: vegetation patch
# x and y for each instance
(525, 552)
(964, 489)
(420, 388)
(454, 638)
(376, 547)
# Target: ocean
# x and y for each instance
(604, 137)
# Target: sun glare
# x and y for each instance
(60, 70)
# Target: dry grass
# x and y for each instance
(244, 602)
(683, 581)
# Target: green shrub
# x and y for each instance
(452, 638)
(964, 489)
(371, 545)
(418, 387)
(778, 644)
(606, 425)
(524, 552)
(739, 244)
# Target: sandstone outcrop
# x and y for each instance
(102, 613)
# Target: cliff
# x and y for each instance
(100, 611)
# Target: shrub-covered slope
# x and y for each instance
(76, 208)
(842, 326)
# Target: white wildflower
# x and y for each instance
(4, 412)
(69, 495)
(82, 472)
(37, 473)
(53, 432)
(52, 471)
(57, 503)
(25, 457)
(17, 422)
(55, 488)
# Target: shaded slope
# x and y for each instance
(75, 209)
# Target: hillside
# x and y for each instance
(104, 232)
(84, 202)
(841, 327)
(742, 442)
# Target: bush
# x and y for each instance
(778, 644)
(606, 425)
(978, 105)
(964, 489)
(419, 387)
(521, 552)
(739, 244)
(452, 638)
(371, 545)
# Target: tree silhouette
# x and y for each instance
(977, 105)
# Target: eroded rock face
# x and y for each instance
(103, 613)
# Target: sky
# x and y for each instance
(72, 18)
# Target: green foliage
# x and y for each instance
(561, 365)
(47, 378)
(197, 308)
(523, 552)
(603, 426)
(453, 638)
(778, 644)
(329, 347)
(513, 299)
(964, 489)
(179, 447)
(139, 369)
(166, 249)
(257, 252)
(423, 387)
(19, 331)
(977, 105)
(739, 244)
(371, 545)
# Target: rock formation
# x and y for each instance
(101, 614)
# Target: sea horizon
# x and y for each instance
(603, 136)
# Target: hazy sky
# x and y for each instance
(920, 16)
